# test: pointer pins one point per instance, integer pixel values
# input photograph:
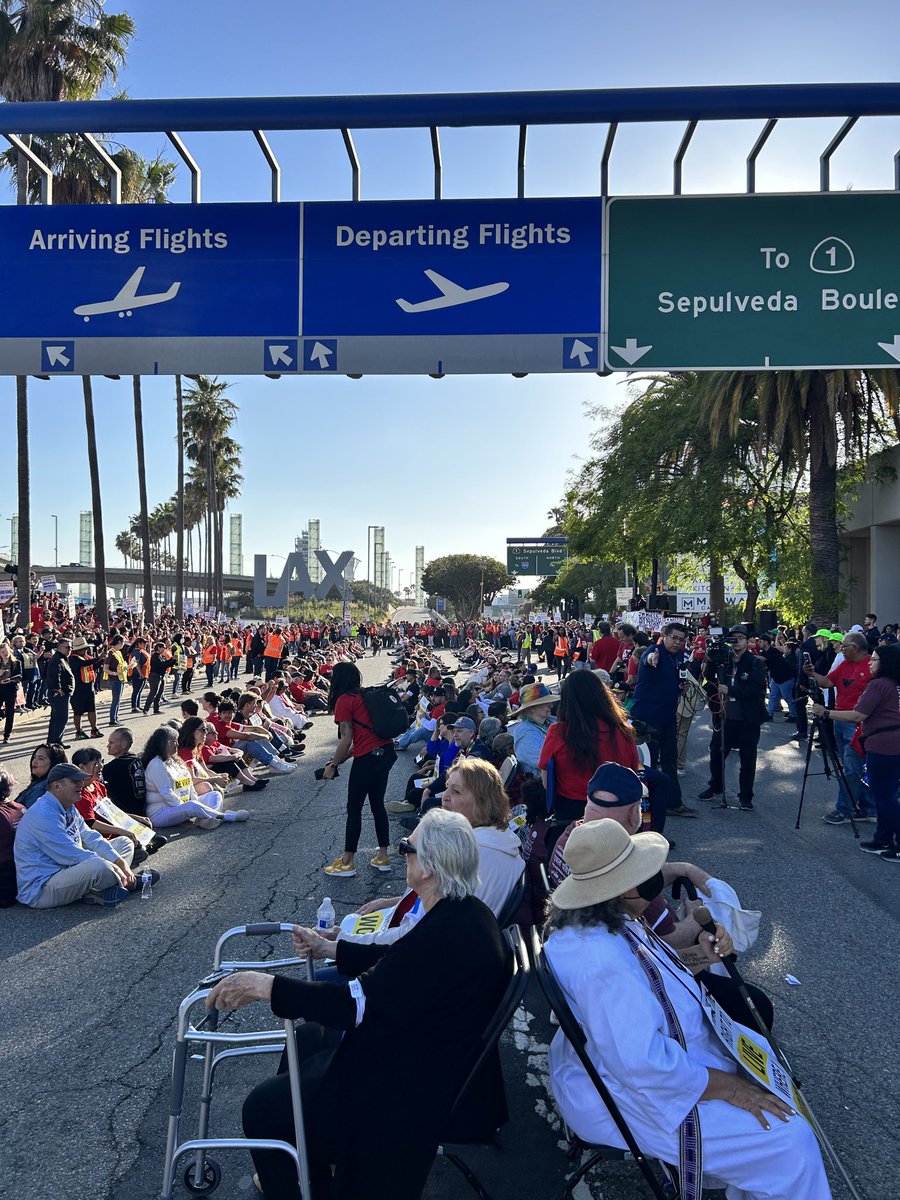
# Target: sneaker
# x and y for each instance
(339, 867)
(873, 847)
(708, 794)
(870, 818)
(237, 814)
(108, 898)
(159, 840)
(282, 768)
(891, 856)
(255, 787)
(682, 811)
(745, 806)
(835, 818)
(81, 736)
(207, 822)
(380, 863)
(139, 878)
(399, 806)
(234, 787)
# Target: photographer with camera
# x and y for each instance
(738, 710)
(654, 709)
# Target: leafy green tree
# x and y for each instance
(819, 420)
(467, 580)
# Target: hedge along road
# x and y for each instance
(90, 997)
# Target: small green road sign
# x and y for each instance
(753, 282)
(536, 560)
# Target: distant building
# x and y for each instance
(237, 544)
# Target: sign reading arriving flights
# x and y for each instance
(753, 282)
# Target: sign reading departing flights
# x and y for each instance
(753, 282)
(396, 287)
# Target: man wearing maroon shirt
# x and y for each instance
(605, 650)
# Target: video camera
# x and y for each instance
(718, 649)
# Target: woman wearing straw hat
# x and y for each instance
(84, 704)
(531, 724)
(651, 1041)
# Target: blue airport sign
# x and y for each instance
(456, 286)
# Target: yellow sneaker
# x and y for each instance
(381, 862)
(339, 867)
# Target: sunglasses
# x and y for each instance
(405, 846)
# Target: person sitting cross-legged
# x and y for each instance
(59, 859)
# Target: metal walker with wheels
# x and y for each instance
(203, 1174)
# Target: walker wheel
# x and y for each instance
(212, 1177)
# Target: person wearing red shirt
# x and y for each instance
(90, 762)
(849, 680)
(373, 757)
(605, 650)
(591, 729)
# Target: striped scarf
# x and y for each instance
(690, 1150)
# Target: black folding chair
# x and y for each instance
(571, 1029)
(521, 969)
(513, 902)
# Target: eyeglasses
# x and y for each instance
(405, 846)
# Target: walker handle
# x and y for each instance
(262, 929)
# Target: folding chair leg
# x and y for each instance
(573, 1180)
(469, 1175)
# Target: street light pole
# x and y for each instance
(55, 539)
(369, 569)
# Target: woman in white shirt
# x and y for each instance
(648, 1035)
(171, 796)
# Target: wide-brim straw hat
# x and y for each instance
(79, 644)
(605, 861)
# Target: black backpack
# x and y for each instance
(386, 712)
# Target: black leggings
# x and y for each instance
(268, 1113)
(8, 693)
(368, 777)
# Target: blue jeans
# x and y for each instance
(418, 733)
(115, 686)
(884, 784)
(857, 799)
(781, 691)
(257, 748)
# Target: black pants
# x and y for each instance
(724, 991)
(59, 716)
(268, 1113)
(662, 742)
(137, 686)
(8, 694)
(154, 692)
(186, 680)
(368, 777)
(800, 703)
(744, 738)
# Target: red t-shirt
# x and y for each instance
(572, 778)
(351, 707)
(849, 681)
(90, 794)
(222, 728)
(604, 652)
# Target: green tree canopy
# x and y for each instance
(466, 580)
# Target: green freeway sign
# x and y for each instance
(535, 560)
(750, 282)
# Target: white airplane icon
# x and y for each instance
(127, 299)
(452, 294)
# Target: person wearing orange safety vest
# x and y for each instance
(272, 654)
(188, 677)
(237, 652)
(561, 658)
(208, 659)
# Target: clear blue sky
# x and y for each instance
(456, 464)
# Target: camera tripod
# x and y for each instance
(831, 762)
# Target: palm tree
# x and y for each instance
(179, 503)
(208, 417)
(144, 515)
(821, 418)
(48, 52)
(96, 504)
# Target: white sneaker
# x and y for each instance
(239, 814)
(207, 822)
(234, 787)
(280, 767)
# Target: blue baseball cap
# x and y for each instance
(620, 781)
(464, 723)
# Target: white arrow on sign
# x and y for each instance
(892, 348)
(280, 355)
(581, 350)
(57, 354)
(320, 354)
(631, 351)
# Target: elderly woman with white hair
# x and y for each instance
(649, 1037)
(358, 1057)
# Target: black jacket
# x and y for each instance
(59, 677)
(746, 689)
(455, 966)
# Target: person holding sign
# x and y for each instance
(171, 796)
(678, 1089)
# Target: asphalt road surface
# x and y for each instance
(90, 997)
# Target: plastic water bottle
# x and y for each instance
(146, 884)
(325, 915)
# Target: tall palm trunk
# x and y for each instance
(23, 550)
(96, 503)
(823, 530)
(716, 585)
(142, 491)
(179, 510)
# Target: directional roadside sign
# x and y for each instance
(753, 282)
(453, 286)
(144, 289)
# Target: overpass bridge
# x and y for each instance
(128, 581)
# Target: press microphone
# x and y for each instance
(703, 917)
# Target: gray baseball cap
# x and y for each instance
(66, 771)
